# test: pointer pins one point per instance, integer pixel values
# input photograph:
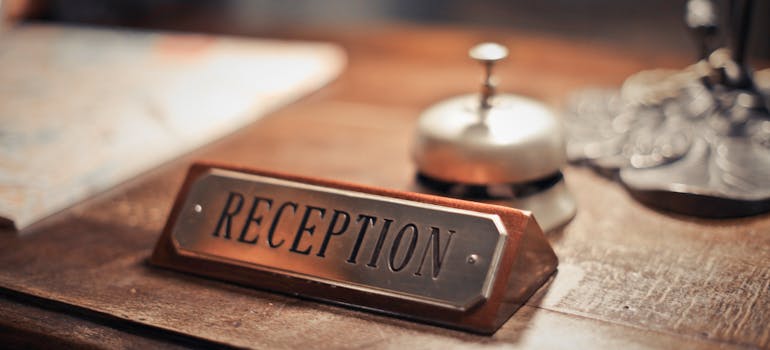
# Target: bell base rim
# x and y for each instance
(552, 205)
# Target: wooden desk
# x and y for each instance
(629, 277)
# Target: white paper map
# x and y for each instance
(83, 109)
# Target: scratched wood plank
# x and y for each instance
(633, 265)
(630, 277)
(25, 326)
(592, 286)
(129, 289)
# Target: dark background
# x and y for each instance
(651, 24)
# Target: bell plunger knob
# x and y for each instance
(488, 54)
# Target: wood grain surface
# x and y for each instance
(629, 276)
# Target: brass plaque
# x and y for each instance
(342, 243)
(402, 249)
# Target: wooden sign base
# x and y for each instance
(454, 263)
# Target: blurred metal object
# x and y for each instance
(695, 141)
(499, 148)
(701, 18)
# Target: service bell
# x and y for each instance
(495, 148)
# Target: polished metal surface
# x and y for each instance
(695, 141)
(488, 52)
(396, 248)
(488, 138)
(516, 140)
(501, 143)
